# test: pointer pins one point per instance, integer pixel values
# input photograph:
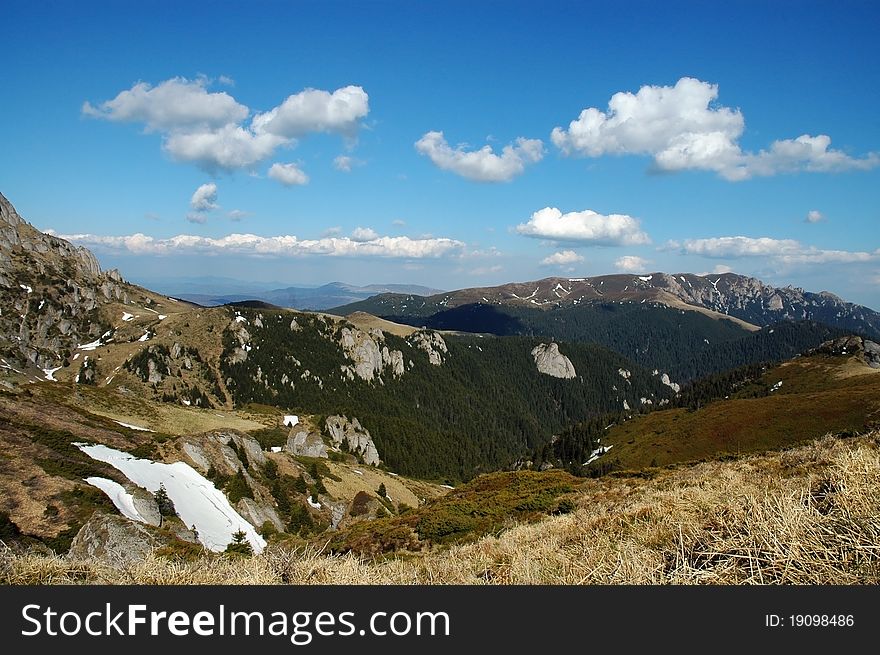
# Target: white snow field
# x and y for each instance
(197, 501)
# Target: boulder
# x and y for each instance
(114, 540)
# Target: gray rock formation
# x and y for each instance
(114, 540)
(305, 444)
(258, 513)
(369, 355)
(550, 361)
(49, 291)
(672, 385)
(355, 436)
(864, 349)
(432, 343)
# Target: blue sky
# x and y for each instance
(450, 144)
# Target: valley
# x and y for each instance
(395, 434)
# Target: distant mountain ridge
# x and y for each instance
(729, 295)
(314, 298)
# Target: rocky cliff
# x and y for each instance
(51, 297)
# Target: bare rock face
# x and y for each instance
(369, 355)
(550, 361)
(305, 444)
(258, 513)
(432, 343)
(355, 436)
(114, 540)
(49, 291)
(864, 349)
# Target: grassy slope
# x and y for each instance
(818, 395)
(808, 515)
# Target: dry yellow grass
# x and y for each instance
(810, 515)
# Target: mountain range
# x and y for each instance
(297, 417)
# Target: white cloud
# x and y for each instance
(345, 163)
(274, 246)
(210, 130)
(288, 174)
(237, 215)
(632, 264)
(586, 226)
(197, 217)
(814, 216)
(681, 129)
(398, 222)
(721, 269)
(314, 110)
(174, 104)
(481, 165)
(784, 251)
(562, 258)
(361, 234)
(205, 198)
(227, 148)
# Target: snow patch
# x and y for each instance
(162, 317)
(290, 420)
(776, 386)
(50, 373)
(596, 454)
(275, 449)
(316, 505)
(197, 501)
(647, 278)
(146, 336)
(133, 427)
(26, 288)
(126, 316)
(123, 500)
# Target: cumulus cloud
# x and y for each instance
(197, 217)
(314, 110)
(632, 264)
(364, 234)
(481, 165)
(210, 129)
(226, 148)
(586, 226)
(288, 174)
(274, 246)
(174, 104)
(785, 251)
(562, 258)
(814, 216)
(205, 198)
(681, 128)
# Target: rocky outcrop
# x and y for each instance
(368, 353)
(305, 444)
(355, 437)
(114, 540)
(669, 383)
(258, 513)
(550, 361)
(432, 343)
(51, 293)
(863, 349)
